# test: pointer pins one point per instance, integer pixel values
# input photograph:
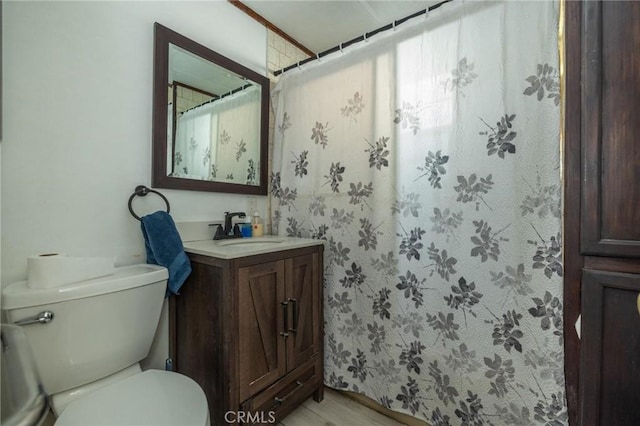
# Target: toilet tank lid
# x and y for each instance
(18, 295)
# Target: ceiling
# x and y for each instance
(322, 24)
(192, 70)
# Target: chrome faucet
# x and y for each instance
(229, 230)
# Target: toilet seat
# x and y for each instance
(150, 398)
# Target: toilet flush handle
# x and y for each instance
(42, 318)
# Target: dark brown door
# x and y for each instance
(610, 348)
(261, 320)
(303, 302)
(602, 212)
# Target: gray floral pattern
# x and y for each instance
(461, 76)
(434, 168)
(409, 116)
(501, 137)
(354, 106)
(443, 245)
(286, 123)
(546, 81)
(319, 133)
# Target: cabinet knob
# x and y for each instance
(279, 401)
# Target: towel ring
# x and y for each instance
(142, 190)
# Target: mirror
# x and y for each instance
(210, 119)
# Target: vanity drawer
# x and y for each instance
(287, 393)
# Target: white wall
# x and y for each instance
(77, 122)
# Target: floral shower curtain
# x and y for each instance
(429, 160)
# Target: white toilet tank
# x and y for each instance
(99, 326)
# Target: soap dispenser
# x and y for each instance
(257, 227)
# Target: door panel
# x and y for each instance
(611, 125)
(304, 304)
(261, 347)
(610, 358)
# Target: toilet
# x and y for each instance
(88, 345)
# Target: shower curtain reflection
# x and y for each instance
(215, 141)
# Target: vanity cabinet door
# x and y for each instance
(303, 300)
(262, 352)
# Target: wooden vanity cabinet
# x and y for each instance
(249, 331)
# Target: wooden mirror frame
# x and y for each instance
(163, 36)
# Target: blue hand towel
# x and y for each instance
(164, 248)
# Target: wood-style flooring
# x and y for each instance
(336, 410)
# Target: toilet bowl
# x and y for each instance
(153, 398)
(87, 339)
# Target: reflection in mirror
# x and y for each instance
(210, 134)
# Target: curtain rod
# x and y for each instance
(216, 97)
(361, 38)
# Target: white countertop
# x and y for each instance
(241, 247)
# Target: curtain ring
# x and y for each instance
(426, 13)
(393, 25)
(364, 37)
(341, 48)
(318, 57)
(299, 66)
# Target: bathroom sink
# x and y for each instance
(250, 242)
(241, 247)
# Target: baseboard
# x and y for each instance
(370, 403)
